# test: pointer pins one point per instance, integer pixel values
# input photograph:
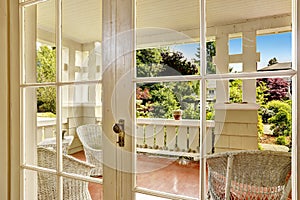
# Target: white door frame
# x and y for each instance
(118, 61)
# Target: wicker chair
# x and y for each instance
(90, 136)
(251, 175)
(72, 189)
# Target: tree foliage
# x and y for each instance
(148, 62)
(235, 91)
(46, 72)
(174, 63)
(163, 98)
(261, 92)
(281, 119)
(143, 103)
(164, 101)
(210, 53)
(277, 88)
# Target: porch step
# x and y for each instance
(194, 156)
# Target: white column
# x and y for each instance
(249, 65)
(222, 62)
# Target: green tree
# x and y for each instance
(148, 62)
(163, 100)
(277, 88)
(210, 53)
(164, 97)
(46, 72)
(235, 91)
(143, 104)
(281, 120)
(261, 92)
(174, 64)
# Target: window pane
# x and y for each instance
(82, 118)
(168, 124)
(159, 100)
(32, 182)
(39, 120)
(242, 125)
(39, 56)
(238, 123)
(81, 36)
(247, 41)
(167, 38)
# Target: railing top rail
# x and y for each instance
(47, 121)
(172, 122)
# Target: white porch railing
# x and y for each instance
(155, 136)
(171, 137)
(46, 128)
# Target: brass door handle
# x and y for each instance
(119, 129)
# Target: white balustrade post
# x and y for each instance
(249, 65)
(222, 62)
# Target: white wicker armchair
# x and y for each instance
(90, 136)
(252, 175)
(72, 189)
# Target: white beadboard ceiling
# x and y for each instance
(82, 18)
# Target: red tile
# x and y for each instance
(159, 173)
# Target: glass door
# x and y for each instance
(203, 83)
(61, 100)
(170, 117)
(157, 85)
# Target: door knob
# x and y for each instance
(119, 129)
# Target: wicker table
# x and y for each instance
(51, 142)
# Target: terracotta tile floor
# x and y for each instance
(159, 173)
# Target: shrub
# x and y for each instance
(191, 113)
(266, 114)
(143, 105)
(46, 72)
(260, 147)
(260, 126)
(281, 140)
(281, 120)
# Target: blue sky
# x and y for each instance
(269, 46)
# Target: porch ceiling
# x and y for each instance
(82, 19)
